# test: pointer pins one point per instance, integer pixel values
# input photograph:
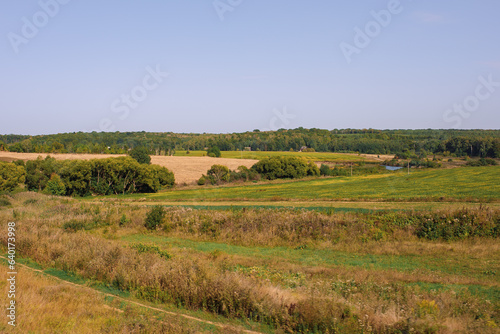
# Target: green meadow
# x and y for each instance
(474, 183)
(447, 264)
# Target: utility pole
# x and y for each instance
(351, 169)
(408, 168)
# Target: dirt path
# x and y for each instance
(186, 169)
(137, 303)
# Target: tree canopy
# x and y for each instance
(285, 167)
(141, 155)
(11, 176)
(122, 175)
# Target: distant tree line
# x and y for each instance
(474, 143)
(122, 175)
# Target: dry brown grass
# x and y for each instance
(47, 305)
(186, 169)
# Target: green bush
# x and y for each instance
(123, 220)
(312, 169)
(481, 162)
(55, 186)
(325, 170)
(214, 151)
(202, 180)
(218, 174)
(141, 155)
(243, 173)
(11, 176)
(285, 167)
(154, 217)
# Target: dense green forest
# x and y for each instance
(482, 143)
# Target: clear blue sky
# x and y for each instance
(247, 64)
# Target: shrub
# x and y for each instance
(55, 186)
(141, 155)
(202, 180)
(214, 151)
(154, 217)
(123, 220)
(312, 169)
(153, 178)
(285, 168)
(218, 173)
(481, 162)
(325, 170)
(309, 149)
(243, 173)
(11, 176)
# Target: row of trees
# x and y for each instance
(481, 143)
(122, 175)
(220, 174)
(285, 168)
(270, 168)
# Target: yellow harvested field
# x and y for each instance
(185, 169)
(190, 169)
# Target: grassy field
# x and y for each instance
(49, 302)
(384, 253)
(265, 270)
(323, 206)
(475, 183)
(257, 155)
